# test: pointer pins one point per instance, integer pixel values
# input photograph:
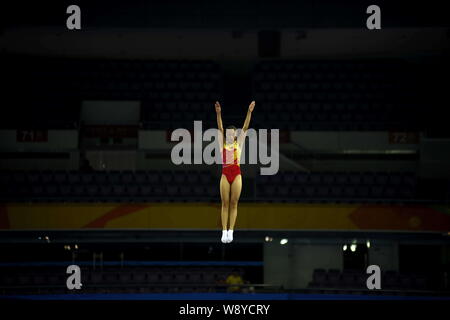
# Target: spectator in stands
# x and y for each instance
(233, 280)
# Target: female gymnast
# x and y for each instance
(231, 179)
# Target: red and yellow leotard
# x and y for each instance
(230, 166)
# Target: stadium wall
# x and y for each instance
(223, 44)
(265, 216)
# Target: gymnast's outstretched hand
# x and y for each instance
(218, 108)
(251, 106)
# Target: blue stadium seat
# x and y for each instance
(127, 178)
(92, 190)
(60, 177)
(118, 190)
(132, 190)
(354, 178)
(87, 178)
(302, 178)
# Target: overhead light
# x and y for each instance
(353, 247)
(268, 239)
(283, 241)
(368, 244)
(344, 247)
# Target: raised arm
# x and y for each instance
(219, 123)
(246, 122)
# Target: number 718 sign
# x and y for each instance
(32, 136)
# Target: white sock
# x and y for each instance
(230, 236)
(224, 236)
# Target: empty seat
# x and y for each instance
(145, 190)
(180, 277)
(180, 178)
(205, 177)
(96, 278)
(153, 178)
(349, 192)
(173, 190)
(118, 190)
(268, 190)
(336, 191)
(132, 190)
(110, 277)
(322, 191)
(376, 191)
(73, 177)
(301, 178)
(46, 177)
(333, 278)
(105, 190)
(51, 190)
(125, 277)
(113, 177)
(141, 177)
(288, 177)
(60, 177)
(319, 278)
(167, 177)
(153, 277)
(381, 178)
(354, 178)
(87, 178)
(282, 191)
(167, 277)
(127, 178)
(92, 190)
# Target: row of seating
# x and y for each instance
(112, 290)
(104, 65)
(203, 186)
(347, 86)
(320, 95)
(150, 276)
(151, 177)
(325, 96)
(333, 278)
(340, 178)
(48, 92)
(181, 177)
(384, 65)
(345, 186)
(111, 278)
(336, 193)
(110, 192)
(306, 106)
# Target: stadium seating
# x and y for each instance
(336, 95)
(48, 92)
(107, 186)
(296, 95)
(328, 186)
(391, 280)
(111, 279)
(166, 186)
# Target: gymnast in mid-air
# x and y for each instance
(231, 142)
